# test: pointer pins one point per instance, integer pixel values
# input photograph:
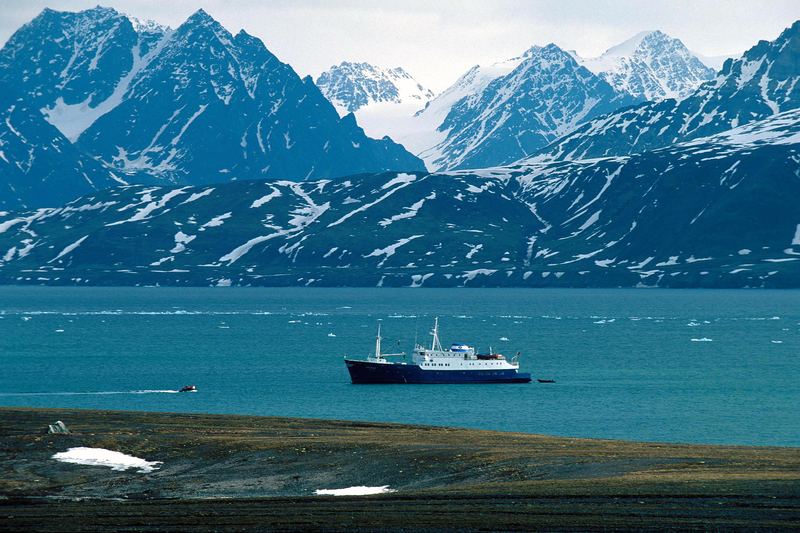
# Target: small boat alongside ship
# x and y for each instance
(457, 364)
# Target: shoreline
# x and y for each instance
(300, 419)
(252, 472)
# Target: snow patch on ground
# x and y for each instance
(216, 221)
(264, 199)
(181, 240)
(410, 211)
(354, 491)
(401, 178)
(197, 195)
(68, 249)
(391, 249)
(102, 457)
(469, 275)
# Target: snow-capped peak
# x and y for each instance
(630, 46)
(471, 82)
(147, 26)
(651, 65)
(352, 86)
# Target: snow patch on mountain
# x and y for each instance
(761, 83)
(74, 119)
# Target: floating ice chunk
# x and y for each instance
(354, 491)
(102, 457)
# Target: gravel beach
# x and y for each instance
(252, 473)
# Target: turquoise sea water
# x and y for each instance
(625, 361)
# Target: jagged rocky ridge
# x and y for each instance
(763, 82)
(720, 211)
(352, 86)
(546, 96)
(191, 105)
(652, 66)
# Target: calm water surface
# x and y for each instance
(660, 365)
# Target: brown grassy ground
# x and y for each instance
(254, 473)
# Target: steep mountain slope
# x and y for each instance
(383, 100)
(651, 66)
(763, 82)
(715, 212)
(352, 86)
(38, 165)
(546, 96)
(419, 132)
(193, 105)
(83, 63)
(213, 106)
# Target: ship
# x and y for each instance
(458, 364)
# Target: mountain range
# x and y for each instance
(191, 105)
(493, 115)
(546, 96)
(761, 83)
(201, 159)
(719, 211)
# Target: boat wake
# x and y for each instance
(95, 393)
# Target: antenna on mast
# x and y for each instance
(378, 342)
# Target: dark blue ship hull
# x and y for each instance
(362, 372)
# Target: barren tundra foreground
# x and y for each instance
(248, 473)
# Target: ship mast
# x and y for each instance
(378, 343)
(435, 344)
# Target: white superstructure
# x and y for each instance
(457, 357)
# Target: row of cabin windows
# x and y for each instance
(448, 364)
